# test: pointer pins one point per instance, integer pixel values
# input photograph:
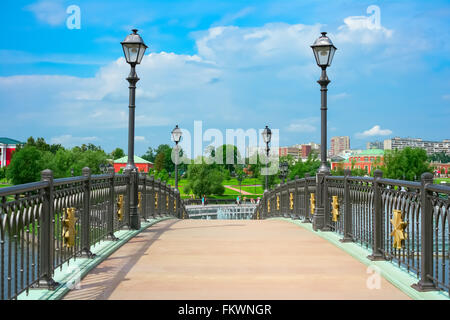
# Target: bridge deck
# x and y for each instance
(230, 259)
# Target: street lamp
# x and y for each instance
(133, 48)
(176, 136)
(283, 170)
(324, 51)
(267, 135)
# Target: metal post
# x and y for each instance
(86, 216)
(426, 234)
(144, 196)
(176, 164)
(307, 218)
(319, 214)
(347, 209)
(377, 242)
(47, 234)
(112, 201)
(326, 206)
(152, 197)
(267, 166)
(134, 221)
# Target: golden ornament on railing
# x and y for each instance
(69, 231)
(278, 202)
(139, 201)
(120, 207)
(335, 211)
(268, 205)
(175, 205)
(167, 202)
(291, 201)
(257, 214)
(312, 201)
(398, 233)
(156, 200)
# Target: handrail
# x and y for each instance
(361, 210)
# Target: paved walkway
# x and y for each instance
(237, 190)
(230, 259)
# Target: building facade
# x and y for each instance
(375, 145)
(429, 146)
(367, 160)
(292, 151)
(7, 147)
(339, 144)
(142, 164)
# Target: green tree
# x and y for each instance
(441, 157)
(25, 165)
(150, 155)
(118, 153)
(229, 154)
(204, 179)
(159, 162)
(311, 165)
(406, 164)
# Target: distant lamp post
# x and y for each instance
(267, 135)
(134, 49)
(324, 51)
(176, 136)
(284, 166)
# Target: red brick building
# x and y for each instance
(142, 164)
(7, 147)
(366, 160)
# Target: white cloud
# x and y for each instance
(364, 29)
(69, 141)
(140, 139)
(47, 11)
(374, 131)
(303, 125)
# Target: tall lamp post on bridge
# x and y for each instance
(134, 49)
(324, 51)
(267, 135)
(176, 136)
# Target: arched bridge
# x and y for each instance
(335, 238)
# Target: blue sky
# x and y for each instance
(231, 64)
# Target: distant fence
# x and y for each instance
(377, 213)
(46, 223)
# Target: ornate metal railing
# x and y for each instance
(45, 224)
(404, 222)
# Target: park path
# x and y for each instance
(230, 259)
(242, 191)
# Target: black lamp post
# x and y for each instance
(283, 170)
(176, 136)
(134, 49)
(324, 51)
(267, 135)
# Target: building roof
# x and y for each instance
(136, 160)
(371, 152)
(4, 140)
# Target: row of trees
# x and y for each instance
(36, 155)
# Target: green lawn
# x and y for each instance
(439, 180)
(5, 185)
